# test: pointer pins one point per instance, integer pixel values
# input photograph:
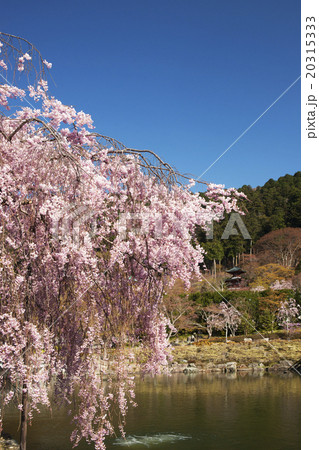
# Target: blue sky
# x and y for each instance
(184, 78)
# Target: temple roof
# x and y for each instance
(235, 270)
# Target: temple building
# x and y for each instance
(236, 280)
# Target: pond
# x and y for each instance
(194, 412)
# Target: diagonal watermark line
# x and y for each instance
(250, 126)
(247, 321)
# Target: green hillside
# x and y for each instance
(275, 205)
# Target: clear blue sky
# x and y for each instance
(182, 77)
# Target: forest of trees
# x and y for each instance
(274, 206)
(271, 260)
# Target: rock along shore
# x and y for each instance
(7, 443)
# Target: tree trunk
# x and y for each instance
(226, 333)
(25, 403)
(24, 418)
(24, 398)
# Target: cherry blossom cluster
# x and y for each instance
(226, 318)
(281, 284)
(287, 313)
(76, 292)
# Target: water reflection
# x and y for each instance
(148, 441)
(195, 412)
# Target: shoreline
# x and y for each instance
(236, 358)
(277, 355)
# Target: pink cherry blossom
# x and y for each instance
(48, 65)
(89, 240)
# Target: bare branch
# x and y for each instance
(14, 48)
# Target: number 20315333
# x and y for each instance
(310, 47)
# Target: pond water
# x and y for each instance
(194, 412)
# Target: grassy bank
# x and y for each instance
(270, 353)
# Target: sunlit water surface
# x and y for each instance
(193, 412)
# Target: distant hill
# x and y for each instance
(275, 205)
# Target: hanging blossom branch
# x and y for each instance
(90, 234)
(27, 59)
(19, 55)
